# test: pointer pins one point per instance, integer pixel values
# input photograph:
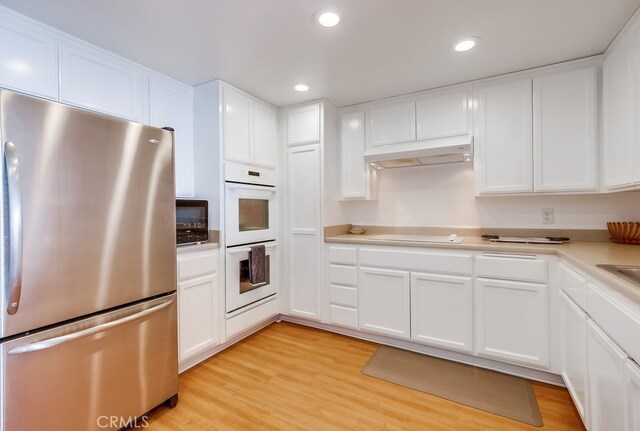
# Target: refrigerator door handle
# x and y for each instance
(12, 169)
(56, 341)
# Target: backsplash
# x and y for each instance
(444, 195)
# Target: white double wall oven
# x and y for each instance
(250, 220)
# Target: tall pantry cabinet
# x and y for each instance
(309, 150)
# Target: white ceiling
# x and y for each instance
(381, 48)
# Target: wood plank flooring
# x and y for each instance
(290, 377)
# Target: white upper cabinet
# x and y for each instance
(28, 57)
(619, 138)
(391, 123)
(444, 113)
(171, 105)
(265, 134)
(357, 178)
(303, 125)
(92, 79)
(564, 130)
(237, 125)
(250, 128)
(503, 141)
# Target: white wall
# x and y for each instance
(444, 195)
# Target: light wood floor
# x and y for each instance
(290, 377)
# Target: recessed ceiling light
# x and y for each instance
(466, 44)
(302, 87)
(328, 18)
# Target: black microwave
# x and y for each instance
(192, 217)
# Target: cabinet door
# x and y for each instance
(606, 381)
(171, 105)
(28, 57)
(512, 321)
(355, 171)
(503, 141)
(384, 302)
(101, 82)
(237, 125)
(303, 125)
(198, 315)
(442, 311)
(618, 114)
(391, 123)
(632, 378)
(443, 113)
(564, 130)
(265, 134)
(573, 353)
(305, 275)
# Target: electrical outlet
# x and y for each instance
(547, 216)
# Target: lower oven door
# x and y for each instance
(239, 290)
(99, 373)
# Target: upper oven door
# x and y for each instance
(250, 213)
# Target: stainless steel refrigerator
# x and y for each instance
(88, 336)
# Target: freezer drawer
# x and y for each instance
(78, 376)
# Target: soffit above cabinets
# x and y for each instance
(380, 48)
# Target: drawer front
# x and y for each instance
(512, 267)
(347, 296)
(573, 285)
(619, 322)
(343, 255)
(241, 322)
(450, 263)
(345, 275)
(196, 264)
(344, 316)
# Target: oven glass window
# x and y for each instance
(253, 214)
(245, 283)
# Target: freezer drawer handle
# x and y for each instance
(52, 342)
(12, 170)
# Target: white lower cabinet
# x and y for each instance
(442, 311)
(511, 321)
(198, 304)
(383, 305)
(606, 363)
(573, 353)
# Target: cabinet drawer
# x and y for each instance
(343, 255)
(573, 285)
(345, 275)
(243, 321)
(344, 316)
(450, 263)
(521, 267)
(347, 296)
(198, 263)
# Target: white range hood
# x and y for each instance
(427, 152)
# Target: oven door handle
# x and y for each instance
(240, 250)
(238, 186)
